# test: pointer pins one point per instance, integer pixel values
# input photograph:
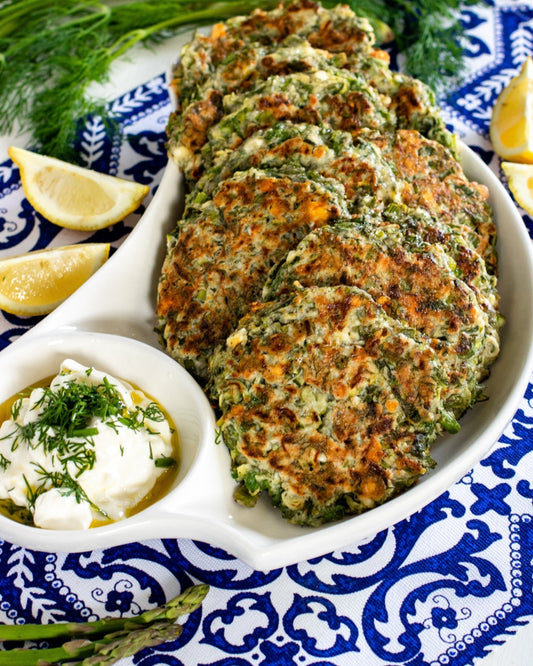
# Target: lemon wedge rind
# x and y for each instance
(511, 125)
(520, 181)
(75, 197)
(35, 283)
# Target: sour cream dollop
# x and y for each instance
(101, 469)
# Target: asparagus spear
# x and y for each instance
(185, 603)
(151, 628)
(126, 644)
(102, 651)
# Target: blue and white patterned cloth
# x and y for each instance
(442, 587)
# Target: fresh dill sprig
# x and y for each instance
(153, 412)
(164, 462)
(66, 411)
(63, 481)
(50, 52)
(50, 479)
(15, 408)
(427, 33)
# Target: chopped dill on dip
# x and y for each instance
(88, 447)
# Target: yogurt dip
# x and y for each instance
(84, 450)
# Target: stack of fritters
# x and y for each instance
(332, 282)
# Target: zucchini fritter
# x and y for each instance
(413, 283)
(221, 253)
(366, 174)
(327, 403)
(335, 97)
(432, 179)
(234, 51)
(375, 169)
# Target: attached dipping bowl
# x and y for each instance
(34, 358)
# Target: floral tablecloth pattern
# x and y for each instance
(442, 587)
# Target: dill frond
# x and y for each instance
(426, 32)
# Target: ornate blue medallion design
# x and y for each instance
(441, 587)
(492, 63)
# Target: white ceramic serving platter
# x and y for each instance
(109, 323)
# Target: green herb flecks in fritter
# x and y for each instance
(431, 178)
(234, 50)
(368, 180)
(231, 61)
(189, 125)
(333, 280)
(459, 243)
(220, 255)
(242, 69)
(327, 403)
(412, 281)
(337, 98)
(375, 169)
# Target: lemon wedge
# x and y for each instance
(511, 125)
(36, 282)
(520, 181)
(74, 197)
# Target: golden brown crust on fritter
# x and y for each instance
(379, 169)
(240, 55)
(418, 287)
(336, 31)
(326, 33)
(431, 178)
(323, 423)
(197, 119)
(221, 257)
(414, 284)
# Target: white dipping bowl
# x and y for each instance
(164, 380)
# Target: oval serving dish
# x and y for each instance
(113, 328)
